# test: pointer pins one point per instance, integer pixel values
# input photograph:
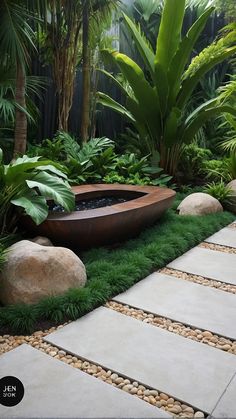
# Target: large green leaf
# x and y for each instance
(142, 45)
(182, 56)
(54, 188)
(52, 169)
(114, 79)
(170, 32)
(190, 83)
(21, 168)
(146, 95)
(106, 100)
(34, 205)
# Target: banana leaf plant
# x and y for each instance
(157, 98)
(27, 183)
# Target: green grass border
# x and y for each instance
(113, 271)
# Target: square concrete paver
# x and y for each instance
(53, 389)
(203, 307)
(224, 237)
(187, 370)
(226, 407)
(211, 264)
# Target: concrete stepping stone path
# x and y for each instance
(56, 390)
(187, 370)
(212, 264)
(224, 237)
(225, 407)
(187, 302)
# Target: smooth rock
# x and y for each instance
(232, 204)
(32, 272)
(199, 204)
(43, 241)
(199, 414)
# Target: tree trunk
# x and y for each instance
(20, 119)
(86, 74)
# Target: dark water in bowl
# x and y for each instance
(88, 204)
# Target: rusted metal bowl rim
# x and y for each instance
(152, 195)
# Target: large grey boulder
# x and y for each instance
(231, 204)
(32, 272)
(199, 203)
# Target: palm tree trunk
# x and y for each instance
(86, 74)
(20, 119)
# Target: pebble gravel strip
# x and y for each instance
(154, 397)
(218, 247)
(199, 335)
(199, 280)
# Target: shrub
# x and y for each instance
(221, 169)
(192, 161)
(219, 191)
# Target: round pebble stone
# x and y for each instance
(164, 396)
(199, 414)
(146, 392)
(153, 393)
(119, 380)
(127, 387)
(188, 409)
(170, 400)
(126, 381)
(52, 353)
(175, 409)
(134, 390)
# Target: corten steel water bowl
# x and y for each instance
(106, 225)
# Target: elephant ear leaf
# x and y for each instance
(53, 188)
(34, 205)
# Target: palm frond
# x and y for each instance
(16, 34)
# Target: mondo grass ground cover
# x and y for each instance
(111, 271)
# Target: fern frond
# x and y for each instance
(71, 146)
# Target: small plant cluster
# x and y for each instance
(220, 191)
(96, 161)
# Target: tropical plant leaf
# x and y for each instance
(106, 100)
(169, 32)
(193, 126)
(34, 205)
(144, 93)
(53, 188)
(183, 54)
(142, 44)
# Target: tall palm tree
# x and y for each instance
(95, 14)
(17, 40)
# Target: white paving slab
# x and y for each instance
(187, 302)
(211, 264)
(224, 237)
(53, 389)
(188, 370)
(226, 407)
